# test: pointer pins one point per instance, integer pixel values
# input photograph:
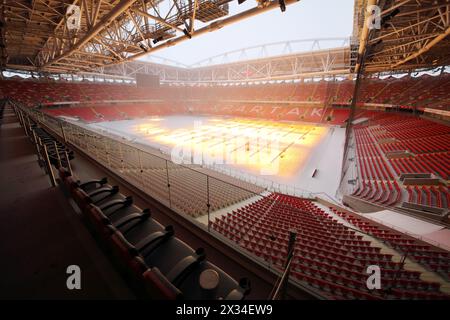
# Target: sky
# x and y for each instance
(306, 19)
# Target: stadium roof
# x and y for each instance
(286, 66)
(38, 35)
(83, 35)
(413, 34)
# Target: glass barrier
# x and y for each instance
(194, 191)
(208, 195)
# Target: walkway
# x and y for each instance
(40, 234)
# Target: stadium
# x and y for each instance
(312, 169)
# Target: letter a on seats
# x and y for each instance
(374, 280)
(74, 280)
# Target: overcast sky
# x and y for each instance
(305, 19)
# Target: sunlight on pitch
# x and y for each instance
(253, 145)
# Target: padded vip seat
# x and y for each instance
(217, 285)
(55, 149)
(91, 185)
(78, 190)
(170, 255)
(120, 215)
(97, 194)
(105, 194)
(119, 208)
(135, 228)
(149, 254)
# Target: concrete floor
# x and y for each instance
(40, 233)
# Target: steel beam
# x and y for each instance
(121, 7)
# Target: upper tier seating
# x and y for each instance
(424, 91)
(34, 92)
(94, 113)
(114, 112)
(429, 91)
(328, 255)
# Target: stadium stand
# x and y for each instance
(329, 255)
(422, 143)
(394, 145)
(376, 180)
(87, 101)
(115, 112)
(190, 187)
(430, 91)
(433, 258)
(32, 92)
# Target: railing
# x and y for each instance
(279, 291)
(267, 184)
(409, 233)
(190, 191)
(327, 196)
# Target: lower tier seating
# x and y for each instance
(189, 190)
(436, 260)
(328, 255)
(432, 196)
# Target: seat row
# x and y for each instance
(434, 259)
(157, 264)
(408, 91)
(377, 176)
(328, 255)
(57, 152)
(432, 196)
